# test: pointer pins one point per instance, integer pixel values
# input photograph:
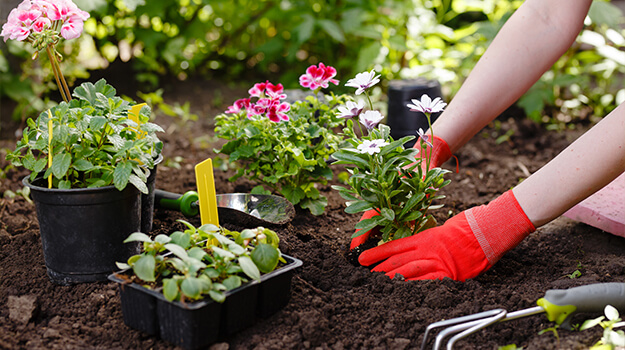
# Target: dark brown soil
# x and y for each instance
(334, 304)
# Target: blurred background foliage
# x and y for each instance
(254, 40)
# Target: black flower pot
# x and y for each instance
(82, 230)
(194, 325)
(400, 119)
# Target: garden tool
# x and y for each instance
(239, 208)
(559, 305)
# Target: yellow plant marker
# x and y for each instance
(206, 192)
(50, 126)
(133, 114)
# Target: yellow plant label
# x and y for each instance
(205, 182)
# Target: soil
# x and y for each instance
(334, 304)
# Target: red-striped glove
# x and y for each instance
(464, 247)
(440, 154)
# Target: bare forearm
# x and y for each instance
(530, 42)
(587, 165)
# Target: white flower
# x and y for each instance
(363, 81)
(426, 105)
(424, 137)
(371, 146)
(370, 119)
(351, 109)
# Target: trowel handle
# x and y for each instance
(560, 304)
(184, 203)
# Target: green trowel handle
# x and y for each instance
(560, 304)
(184, 203)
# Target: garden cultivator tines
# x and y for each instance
(558, 304)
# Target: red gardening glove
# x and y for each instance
(440, 154)
(464, 247)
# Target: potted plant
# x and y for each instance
(201, 284)
(398, 183)
(285, 147)
(82, 154)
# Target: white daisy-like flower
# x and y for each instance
(351, 109)
(371, 146)
(427, 105)
(370, 119)
(363, 81)
(424, 137)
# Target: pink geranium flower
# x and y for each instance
(318, 77)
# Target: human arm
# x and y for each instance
(529, 43)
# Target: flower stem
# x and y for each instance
(58, 75)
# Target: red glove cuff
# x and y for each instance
(499, 226)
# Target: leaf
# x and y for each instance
(388, 214)
(217, 296)
(180, 238)
(82, 165)
(177, 251)
(144, 268)
(358, 206)
(316, 206)
(170, 289)
(249, 268)
(350, 158)
(305, 29)
(60, 164)
(232, 282)
(265, 257)
(138, 183)
(293, 195)
(138, 237)
(333, 29)
(121, 175)
(191, 287)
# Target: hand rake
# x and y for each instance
(559, 305)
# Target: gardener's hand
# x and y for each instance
(440, 154)
(465, 246)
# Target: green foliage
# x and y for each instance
(289, 157)
(92, 143)
(392, 183)
(611, 339)
(583, 83)
(207, 260)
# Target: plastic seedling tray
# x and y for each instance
(198, 324)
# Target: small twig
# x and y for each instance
(315, 289)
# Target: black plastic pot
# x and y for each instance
(400, 119)
(198, 324)
(82, 230)
(147, 200)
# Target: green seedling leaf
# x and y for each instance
(232, 282)
(170, 289)
(217, 296)
(138, 237)
(192, 287)
(177, 251)
(265, 257)
(144, 268)
(249, 268)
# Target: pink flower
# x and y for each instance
(41, 24)
(277, 111)
(72, 27)
(258, 89)
(316, 77)
(239, 105)
(275, 91)
(20, 21)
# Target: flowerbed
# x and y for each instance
(334, 304)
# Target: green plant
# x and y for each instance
(611, 339)
(207, 260)
(284, 147)
(90, 141)
(386, 177)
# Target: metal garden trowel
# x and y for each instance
(238, 208)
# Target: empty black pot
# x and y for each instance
(400, 119)
(83, 229)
